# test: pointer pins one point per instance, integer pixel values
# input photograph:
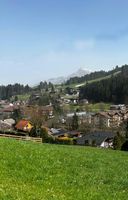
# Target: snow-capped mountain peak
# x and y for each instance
(79, 73)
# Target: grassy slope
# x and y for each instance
(52, 172)
(91, 81)
(96, 107)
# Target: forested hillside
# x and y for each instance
(114, 89)
(92, 76)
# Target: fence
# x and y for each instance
(25, 138)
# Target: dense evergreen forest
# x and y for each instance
(45, 86)
(6, 92)
(92, 76)
(113, 89)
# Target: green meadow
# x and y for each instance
(30, 171)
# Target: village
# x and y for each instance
(79, 126)
(63, 100)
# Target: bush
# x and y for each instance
(118, 141)
(33, 132)
(65, 140)
(125, 146)
(45, 137)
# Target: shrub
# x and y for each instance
(118, 141)
(64, 140)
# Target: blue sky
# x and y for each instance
(40, 39)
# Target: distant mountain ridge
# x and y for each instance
(62, 79)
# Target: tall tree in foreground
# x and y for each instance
(75, 123)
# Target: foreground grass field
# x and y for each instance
(51, 172)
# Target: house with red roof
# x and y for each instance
(24, 125)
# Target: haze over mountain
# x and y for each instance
(79, 73)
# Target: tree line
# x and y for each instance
(6, 92)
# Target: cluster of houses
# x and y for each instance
(44, 111)
(73, 99)
(7, 124)
(6, 109)
(98, 139)
(113, 118)
(103, 139)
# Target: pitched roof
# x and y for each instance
(113, 112)
(10, 121)
(8, 109)
(22, 124)
(103, 114)
(97, 136)
(58, 132)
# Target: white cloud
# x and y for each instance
(84, 44)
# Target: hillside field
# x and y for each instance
(95, 107)
(30, 171)
(77, 85)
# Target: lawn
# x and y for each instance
(95, 107)
(30, 171)
(23, 97)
